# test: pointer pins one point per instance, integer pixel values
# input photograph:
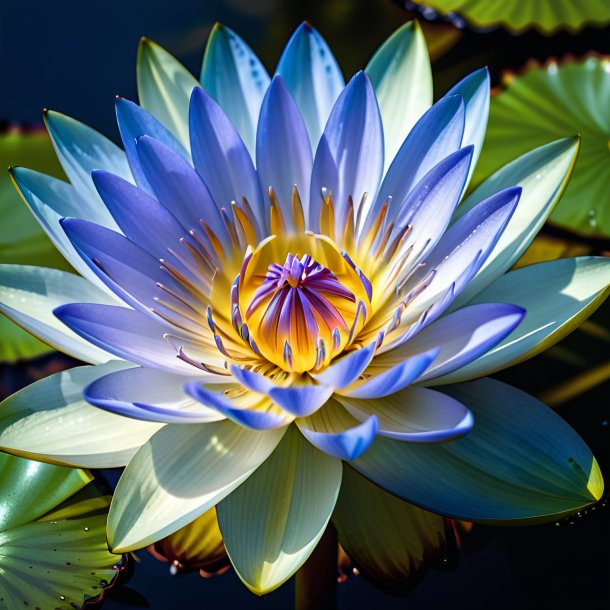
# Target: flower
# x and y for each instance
(278, 329)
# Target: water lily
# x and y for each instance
(280, 299)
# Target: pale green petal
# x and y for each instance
(28, 296)
(542, 174)
(392, 542)
(520, 462)
(402, 78)
(19, 478)
(49, 420)
(179, 474)
(557, 296)
(164, 88)
(271, 523)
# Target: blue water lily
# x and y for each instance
(280, 279)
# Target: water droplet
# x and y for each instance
(86, 528)
(538, 176)
(62, 597)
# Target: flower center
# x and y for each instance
(302, 312)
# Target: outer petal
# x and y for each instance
(149, 395)
(558, 296)
(435, 136)
(417, 415)
(272, 522)
(312, 75)
(50, 199)
(49, 420)
(28, 296)
(349, 158)
(520, 461)
(221, 157)
(475, 91)
(402, 78)
(164, 88)
(179, 474)
(336, 432)
(542, 175)
(81, 150)
(234, 76)
(399, 545)
(125, 333)
(283, 152)
(344, 371)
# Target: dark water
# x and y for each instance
(75, 56)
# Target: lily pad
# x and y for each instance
(518, 15)
(548, 102)
(53, 551)
(21, 238)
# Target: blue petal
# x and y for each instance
(221, 158)
(333, 430)
(81, 150)
(133, 122)
(142, 218)
(435, 136)
(124, 267)
(475, 91)
(262, 416)
(178, 187)
(313, 76)
(125, 333)
(234, 76)
(394, 379)
(344, 371)
(349, 158)
(149, 395)
(283, 152)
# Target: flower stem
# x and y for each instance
(316, 581)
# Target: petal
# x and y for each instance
(344, 371)
(134, 122)
(234, 76)
(164, 88)
(283, 152)
(272, 522)
(472, 238)
(28, 296)
(81, 150)
(435, 136)
(475, 91)
(415, 414)
(402, 78)
(179, 474)
(542, 175)
(381, 381)
(221, 157)
(140, 217)
(349, 158)
(125, 333)
(50, 420)
(557, 295)
(299, 399)
(149, 395)
(336, 432)
(520, 461)
(313, 77)
(178, 187)
(463, 336)
(396, 548)
(245, 407)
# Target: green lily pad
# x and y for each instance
(53, 551)
(518, 15)
(21, 238)
(546, 103)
